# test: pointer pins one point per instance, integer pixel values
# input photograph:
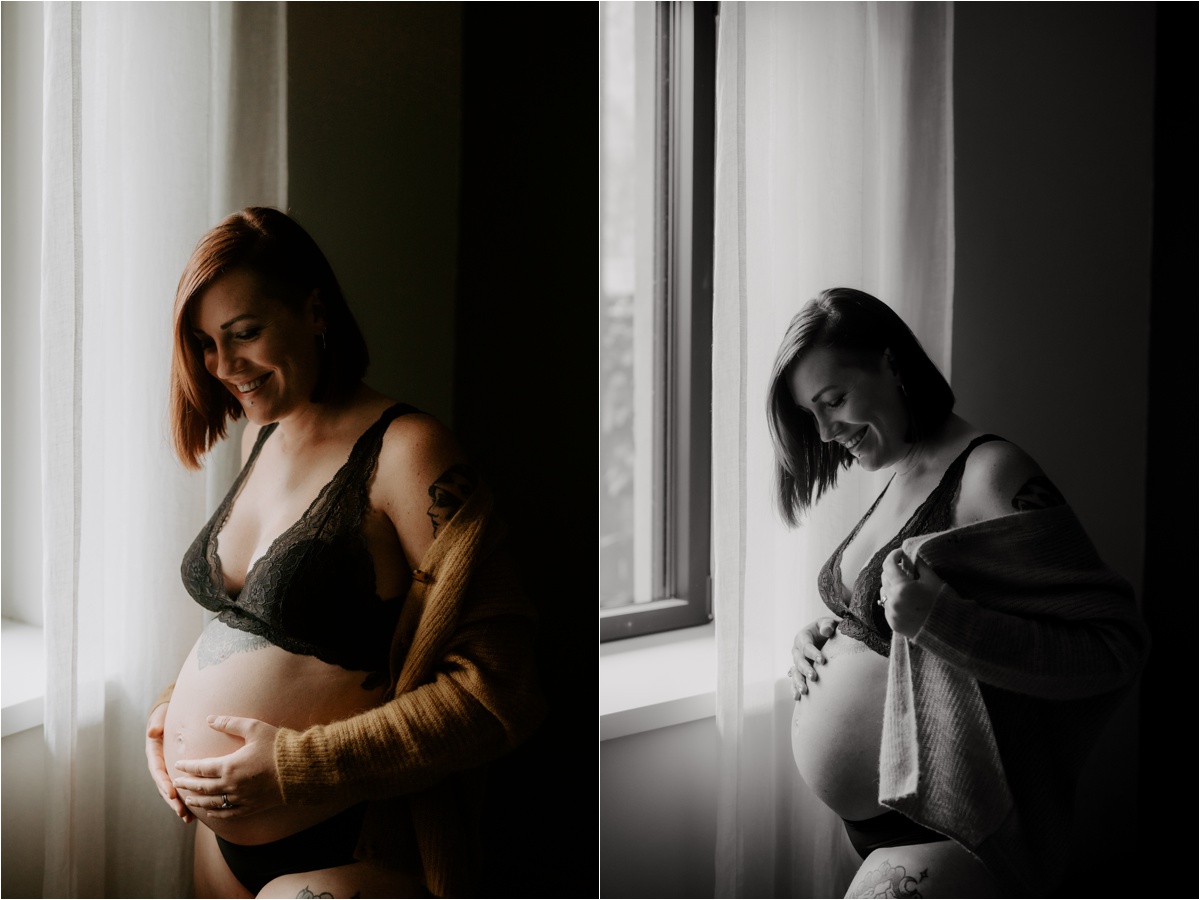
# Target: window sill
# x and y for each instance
(657, 680)
(22, 677)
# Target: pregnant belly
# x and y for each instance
(230, 672)
(837, 726)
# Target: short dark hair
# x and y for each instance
(844, 319)
(290, 266)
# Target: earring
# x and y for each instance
(323, 347)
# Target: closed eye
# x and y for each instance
(834, 404)
(248, 335)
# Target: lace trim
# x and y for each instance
(320, 559)
(863, 618)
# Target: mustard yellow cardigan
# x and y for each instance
(463, 692)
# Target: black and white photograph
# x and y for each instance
(897, 476)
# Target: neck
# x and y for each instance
(309, 425)
(933, 451)
(911, 462)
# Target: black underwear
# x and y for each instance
(890, 829)
(323, 846)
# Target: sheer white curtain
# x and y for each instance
(159, 119)
(834, 168)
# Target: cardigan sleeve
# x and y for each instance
(480, 701)
(1053, 644)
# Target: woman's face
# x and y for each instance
(856, 401)
(262, 352)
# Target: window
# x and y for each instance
(657, 66)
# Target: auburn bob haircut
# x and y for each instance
(290, 267)
(849, 320)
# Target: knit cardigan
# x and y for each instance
(994, 705)
(462, 692)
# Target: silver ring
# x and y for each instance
(791, 671)
(882, 601)
(225, 804)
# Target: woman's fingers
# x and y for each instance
(219, 807)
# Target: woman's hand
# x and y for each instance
(240, 783)
(158, 764)
(806, 652)
(907, 593)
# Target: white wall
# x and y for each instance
(1053, 118)
(658, 812)
(23, 820)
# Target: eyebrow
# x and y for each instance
(238, 319)
(199, 331)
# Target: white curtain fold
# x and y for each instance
(144, 149)
(834, 168)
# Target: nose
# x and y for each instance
(824, 427)
(223, 362)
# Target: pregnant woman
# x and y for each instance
(976, 643)
(369, 651)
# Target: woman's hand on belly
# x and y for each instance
(806, 651)
(158, 764)
(246, 778)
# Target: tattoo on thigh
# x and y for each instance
(219, 642)
(1038, 493)
(887, 881)
(306, 894)
(449, 493)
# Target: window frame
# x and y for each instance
(685, 64)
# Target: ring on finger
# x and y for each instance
(883, 598)
(225, 804)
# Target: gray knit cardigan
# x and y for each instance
(993, 707)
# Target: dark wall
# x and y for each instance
(1074, 335)
(374, 141)
(1169, 589)
(443, 156)
(525, 400)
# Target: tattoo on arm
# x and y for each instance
(1038, 493)
(449, 493)
(219, 642)
(887, 881)
(306, 894)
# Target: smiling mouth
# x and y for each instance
(252, 385)
(853, 443)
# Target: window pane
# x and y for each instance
(627, 88)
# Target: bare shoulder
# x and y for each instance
(1000, 479)
(417, 443)
(423, 477)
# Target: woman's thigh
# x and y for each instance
(942, 869)
(212, 875)
(360, 879)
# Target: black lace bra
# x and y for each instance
(313, 591)
(862, 617)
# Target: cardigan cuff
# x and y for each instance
(304, 765)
